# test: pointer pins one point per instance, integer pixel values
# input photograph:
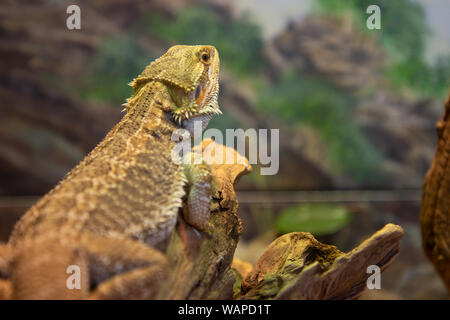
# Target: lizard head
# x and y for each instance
(191, 76)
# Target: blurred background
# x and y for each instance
(356, 108)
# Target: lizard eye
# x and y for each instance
(205, 57)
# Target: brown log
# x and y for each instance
(435, 213)
(297, 266)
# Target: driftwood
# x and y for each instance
(297, 266)
(435, 212)
(294, 266)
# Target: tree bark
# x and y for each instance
(435, 211)
(297, 266)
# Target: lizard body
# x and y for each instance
(129, 189)
(124, 187)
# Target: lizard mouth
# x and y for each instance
(204, 114)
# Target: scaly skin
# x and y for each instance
(128, 189)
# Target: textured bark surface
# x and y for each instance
(297, 266)
(435, 212)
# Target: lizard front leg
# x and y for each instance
(200, 182)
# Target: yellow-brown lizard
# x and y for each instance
(107, 215)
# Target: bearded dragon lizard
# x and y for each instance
(122, 200)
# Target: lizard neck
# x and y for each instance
(149, 109)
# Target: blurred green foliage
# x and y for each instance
(403, 35)
(317, 103)
(431, 80)
(318, 219)
(118, 61)
(403, 26)
(238, 41)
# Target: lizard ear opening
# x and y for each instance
(198, 90)
(200, 95)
